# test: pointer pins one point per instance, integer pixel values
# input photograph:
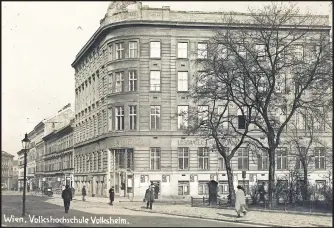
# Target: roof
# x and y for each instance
(4, 153)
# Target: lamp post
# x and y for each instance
(25, 145)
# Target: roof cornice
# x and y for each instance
(174, 24)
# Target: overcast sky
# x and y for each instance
(39, 43)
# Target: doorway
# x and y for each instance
(157, 188)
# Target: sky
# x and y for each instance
(40, 41)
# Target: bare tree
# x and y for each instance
(267, 67)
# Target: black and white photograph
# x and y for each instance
(167, 114)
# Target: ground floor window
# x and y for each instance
(203, 188)
(183, 188)
(223, 188)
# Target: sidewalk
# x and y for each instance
(253, 217)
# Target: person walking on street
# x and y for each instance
(67, 197)
(83, 191)
(240, 201)
(111, 195)
(149, 197)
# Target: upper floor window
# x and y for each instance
(183, 155)
(298, 52)
(182, 117)
(110, 119)
(182, 81)
(155, 49)
(202, 50)
(262, 160)
(155, 81)
(110, 46)
(282, 158)
(203, 111)
(242, 51)
(155, 117)
(119, 118)
(119, 82)
(110, 82)
(182, 50)
(203, 158)
(260, 49)
(155, 158)
(222, 51)
(243, 158)
(242, 122)
(319, 158)
(120, 51)
(133, 49)
(133, 81)
(133, 117)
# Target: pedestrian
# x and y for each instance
(149, 197)
(111, 195)
(73, 191)
(67, 197)
(240, 201)
(83, 191)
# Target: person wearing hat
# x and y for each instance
(111, 195)
(67, 197)
(83, 192)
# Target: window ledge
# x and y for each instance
(155, 58)
(151, 91)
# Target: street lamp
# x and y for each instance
(25, 145)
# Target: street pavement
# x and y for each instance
(87, 214)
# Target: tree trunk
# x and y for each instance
(230, 182)
(305, 187)
(271, 179)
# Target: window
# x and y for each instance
(282, 155)
(245, 185)
(280, 84)
(299, 52)
(222, 51)
(203, 158)
(155, 117)
(301, 152)
(119, 118)
(110, 51)
(182, 117)
(319, 120)
(242, 51)
(110, 119)
(320, 184)
(221, 163)
(155, 81)
(133, 81)
(223, 188)
(133, 49)
(243, 158)
(183, 188)
(155, 158)
(203, 188)
(182, 81)
(319, 158)
(203, 112)
(120, 51)
(262, 160)
(155, 51)
(260, 49)
(110, 83)
(202, 50)
(182, 50)
(242, 118)
(133, 117)
(183, 155)
(202, 79)
(119, 82)
(223, 111)
(300, 121)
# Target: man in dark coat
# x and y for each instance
(83, 191)
(149, 197)
(111, 195)
(67, 197)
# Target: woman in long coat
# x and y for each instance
(111, 195)
(240, 201)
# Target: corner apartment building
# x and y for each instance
(131, 80)
(20, 155)
(7, 168)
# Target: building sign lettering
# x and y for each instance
(128, 142)
(184, 142)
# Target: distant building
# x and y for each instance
(7, 166)
(20, 178)
(15, 174)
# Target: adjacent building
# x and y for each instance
(20, 155)
(7, 168)
(58, 157)
(131, 80)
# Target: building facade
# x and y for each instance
(20, 155)
(7, 171)
(132, 79)
(32, 181)
(39, 145)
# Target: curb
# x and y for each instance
(202, 217)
